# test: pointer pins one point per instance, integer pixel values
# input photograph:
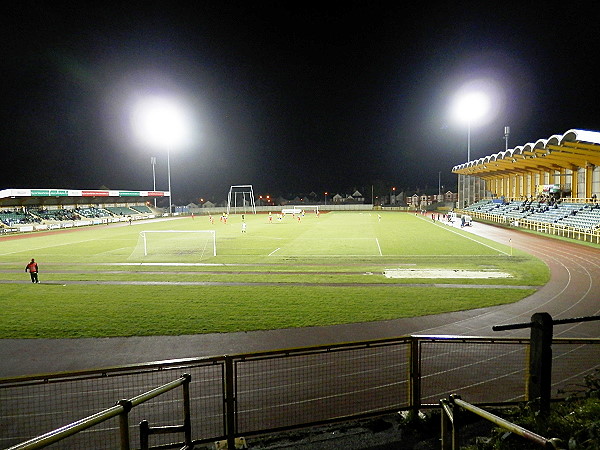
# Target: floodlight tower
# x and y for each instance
(162, 123)
(153, 162)
(470, 107)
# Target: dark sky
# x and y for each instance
(291, 97)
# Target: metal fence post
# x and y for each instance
(144, 435)
(187, 421)
(456, 421)
(540, 361)
(446, 424)
(415, 376)
(229, 402)
(124, 423)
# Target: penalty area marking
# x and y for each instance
(378, 247)
(191, 264)
(277, 249)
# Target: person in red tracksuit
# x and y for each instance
(32, 268)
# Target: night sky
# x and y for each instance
(291, 97)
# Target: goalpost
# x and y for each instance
(299, 208)
(245, 194)
(178, 242)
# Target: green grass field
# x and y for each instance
(318, 271)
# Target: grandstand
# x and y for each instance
(584, 216)
(41, 209)
(551, 185)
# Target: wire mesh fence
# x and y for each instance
(287, 389)
(572, 361)
(36, 406)
(299, 388)
(474, 367)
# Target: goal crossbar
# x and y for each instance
(305, 207)
(247, 201)
(212, 232)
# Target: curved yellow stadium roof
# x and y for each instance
(572, 150)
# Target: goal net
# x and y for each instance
(199, 243)
(241, 199)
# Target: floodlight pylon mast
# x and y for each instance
(169, 176)
(153, 162)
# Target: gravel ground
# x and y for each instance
(390, 432)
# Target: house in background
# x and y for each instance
(356, 197)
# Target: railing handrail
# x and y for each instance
(447, 412)
(515, 326)
(68, 430)
(507, 425)
(149, 395)
(123, 406)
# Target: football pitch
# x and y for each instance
(338, 267)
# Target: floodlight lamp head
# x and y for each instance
(471, 106)
(160, 122)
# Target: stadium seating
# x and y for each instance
(10, 218)
(587, 217)
(121, 210)
(575, 215)
(142, 209)
(92, 213)
(55, 214)
(36, 215)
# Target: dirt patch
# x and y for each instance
(444, 273)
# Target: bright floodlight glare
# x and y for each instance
(471, 106)
(161, 123)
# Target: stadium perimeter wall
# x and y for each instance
(278, 208)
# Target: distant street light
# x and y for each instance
(326, 198)
(161, 123)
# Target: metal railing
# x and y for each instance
(450, 424)
(540, 353)
(258, 393)
(554, 229)
(120, 410)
